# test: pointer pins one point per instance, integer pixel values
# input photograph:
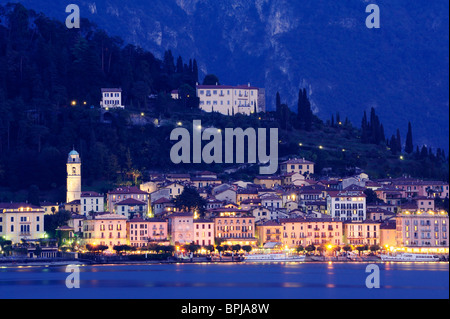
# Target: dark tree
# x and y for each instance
(190, 200)
(211, 79)
(409, 147)
(399, 141)
(277, 105)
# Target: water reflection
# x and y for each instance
(281, 280)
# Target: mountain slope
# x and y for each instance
(400, 69)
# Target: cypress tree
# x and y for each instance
(195, 71)
(399, 141)
(277, 105)
(308, 114)
(364, 129)
(409, 147)
(180, 66)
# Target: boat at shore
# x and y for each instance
(409, 257)
(273, 252)
(274, 257)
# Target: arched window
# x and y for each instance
(74, 170)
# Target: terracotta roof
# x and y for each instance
(111, 90)
(162, 200)
(271, 223)
(203, 221)
(239, 87)
(91, 194)
(137, 220)
(74, 202)
(131, 201)
(17, 206)
(297, 161)
(307, 220)
(181, 215)
(127, 190)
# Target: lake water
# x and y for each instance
(224, 281)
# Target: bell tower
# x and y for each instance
(73, 176)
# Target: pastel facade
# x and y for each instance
(311, 231)
(423, 230)
(228, 100)
(49, 208)
(181, 228)
(300, 166)
(21, 221)
(122, 193)
(362, 233)
(142, 232)
(158, 230)
(238, 229)
(268, 181)
(73, 206)
(105, 229)
(269, 231)
(204, 232)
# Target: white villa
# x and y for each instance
(230, 100)
(111, 98)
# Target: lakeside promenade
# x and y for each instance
(123, 260)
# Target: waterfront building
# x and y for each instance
(388, 234)
(181, 228)
(138, 232)
(420, 231)
(270, 231)
(105, 229)
(235, 228)
(365, 232)
(204, 232)
(158, 231)
(347, 205)
(311, 231)
(21, 221)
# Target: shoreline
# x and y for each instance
(83, 262)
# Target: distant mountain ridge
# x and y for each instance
(400, 69)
